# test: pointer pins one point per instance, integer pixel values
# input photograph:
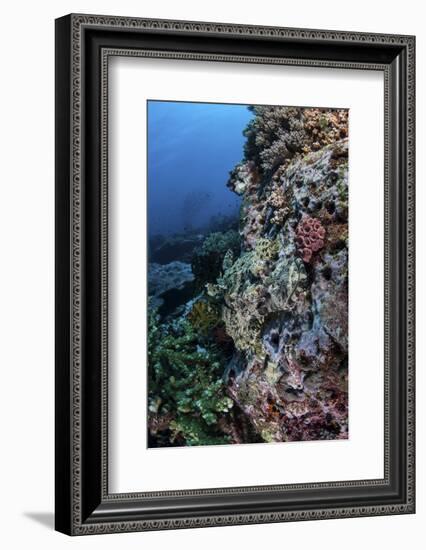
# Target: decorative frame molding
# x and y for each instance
(84, 44)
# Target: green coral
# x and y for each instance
(185, 381)
(274, 135)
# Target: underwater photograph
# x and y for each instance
(247, 273)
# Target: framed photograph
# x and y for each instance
(234, 274)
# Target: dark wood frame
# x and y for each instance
(83, 46)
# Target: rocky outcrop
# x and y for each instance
(207, 259)
(248, 337)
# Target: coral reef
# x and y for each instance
(310, 235)
(259, 351)
(174, 280)
(174, 248)
(207, 259)
(203, 316)
(274, 136)
(278, 134)
(186, 392)
(192, 206)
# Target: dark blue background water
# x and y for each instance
(191, 149)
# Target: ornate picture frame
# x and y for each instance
(84, 45)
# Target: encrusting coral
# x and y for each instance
(174, 277)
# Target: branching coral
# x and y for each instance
(277, 134)
(277, 200)
(185, 384)
(310, 236)
(279, 140)
(243, 178)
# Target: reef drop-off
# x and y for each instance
(259, 353)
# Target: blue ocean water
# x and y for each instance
(191, 149)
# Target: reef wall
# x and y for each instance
(268, 325)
